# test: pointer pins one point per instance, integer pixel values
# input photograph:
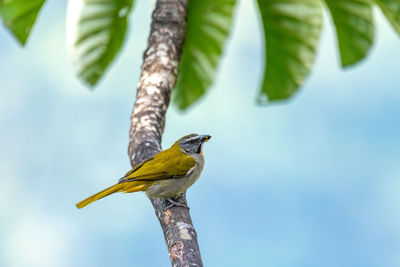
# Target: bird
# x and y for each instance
(167, 175)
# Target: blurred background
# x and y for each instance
(314, 181)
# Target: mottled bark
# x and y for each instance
(158, 76)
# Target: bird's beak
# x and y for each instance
(205, 138)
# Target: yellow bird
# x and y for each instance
(166, 175)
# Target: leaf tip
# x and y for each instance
(262, 99)
(89, 82)
(350, 62)
(21, 40)
(180, 103)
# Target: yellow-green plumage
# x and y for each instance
(170, 163)
(154, 173)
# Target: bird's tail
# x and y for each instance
(110, 190)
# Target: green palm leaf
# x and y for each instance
(209, 22)
(95, 33)
(391, 9)
(292, 29)
(354, 28)
(19, 16)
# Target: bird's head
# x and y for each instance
(191, 144)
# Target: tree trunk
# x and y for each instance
(158, 77)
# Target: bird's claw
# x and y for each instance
(173, 202)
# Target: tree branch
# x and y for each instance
(158, 77)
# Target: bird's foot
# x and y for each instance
(175, 202)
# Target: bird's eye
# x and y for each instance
(192, 141)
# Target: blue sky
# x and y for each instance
(310, 182)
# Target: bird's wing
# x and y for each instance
(164, 165)
(135, 168)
